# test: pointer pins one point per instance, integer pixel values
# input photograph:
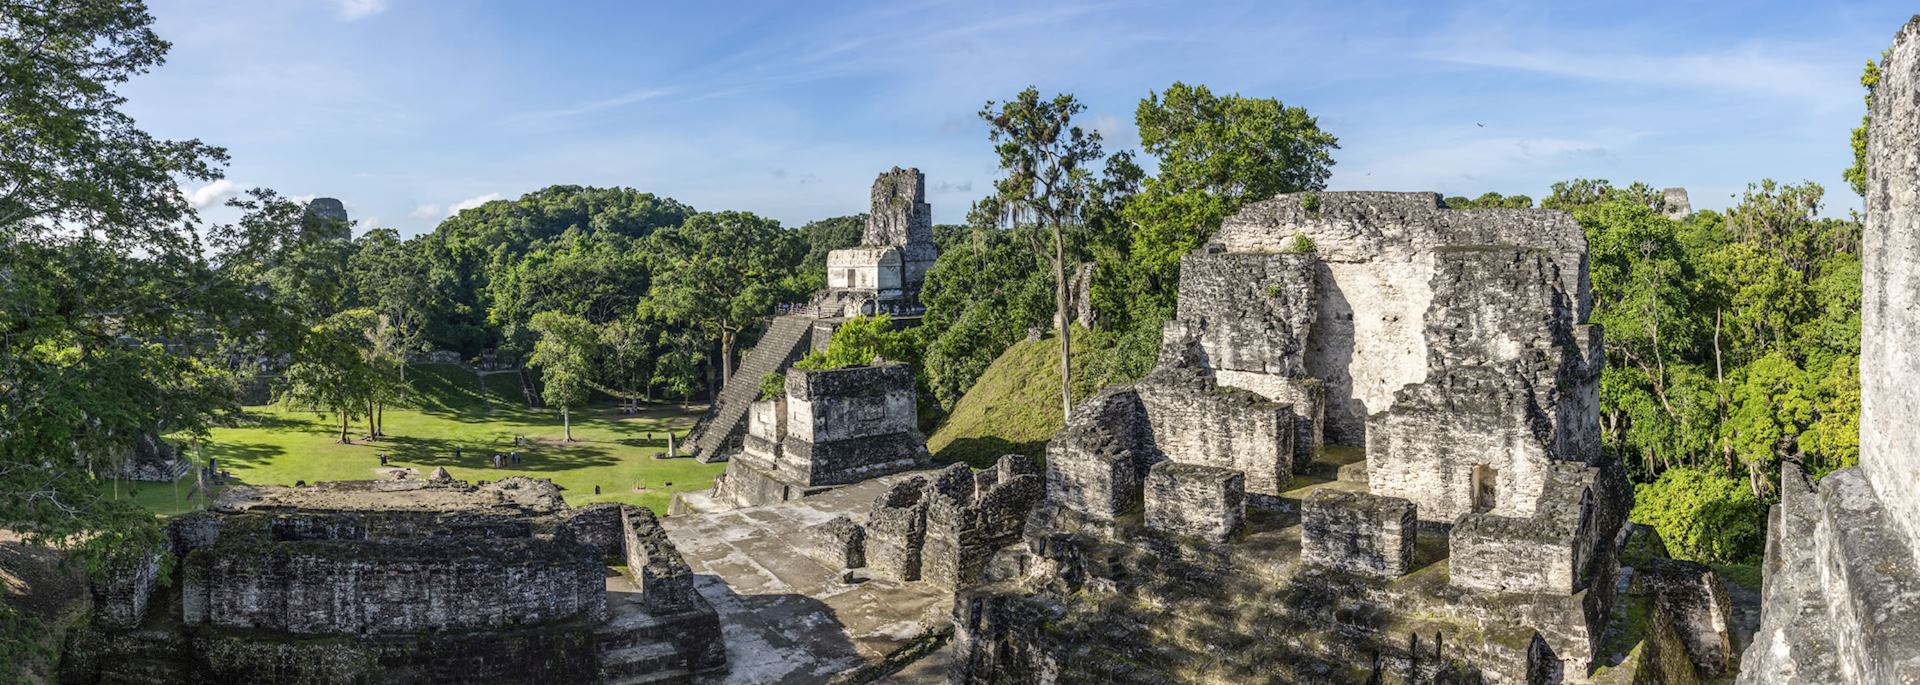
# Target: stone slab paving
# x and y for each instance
(788, 618)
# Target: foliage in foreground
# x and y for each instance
(1703, 515)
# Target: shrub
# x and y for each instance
(772, 385)
(1703, 515)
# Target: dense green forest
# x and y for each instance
(1731, 337)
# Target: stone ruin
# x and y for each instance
(414, 581)
(882, 275)
(829, 428)
(885, 271)
(1370, 449)
(945, 529)
(1842, 574)
(153, 460)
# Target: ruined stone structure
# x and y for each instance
(1843, 558)
(1479, 538)
(884, 273)
(1678, 206)
(881, 275)
(152, 460)
(403, 581)
(326, 218)
(944, 530)
(830, 428)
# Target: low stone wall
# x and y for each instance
(121, 601)
(897, 530)
(839, 543)
(374, 588)
(1096, 463)
(1358, 532)
(654, 565)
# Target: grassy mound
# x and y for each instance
(1013, 409)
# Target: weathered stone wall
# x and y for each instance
(1376, 252)
(1206, 502)
(900, 216)
(1357, 532)
(1889, 315)
(1248, 312)
(1843, 559)
(413, 586)
(121, 601)
(897, 530)
(599, 526)
(839, 543)
(1446, 440)
(1196, 421)
(1695, 601)
(665, 581)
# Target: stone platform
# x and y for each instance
(789, 618)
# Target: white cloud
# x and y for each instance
(211, 194)
(471, 203)
(426, 211)
(301, 200)
(355, 9)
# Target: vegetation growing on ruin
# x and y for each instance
(1011, 410)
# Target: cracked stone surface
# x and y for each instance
(787, 617)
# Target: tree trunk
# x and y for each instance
(566, 420)
(344, 440)
(726, 359)
(1060, 307)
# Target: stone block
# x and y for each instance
(120, 599)
(599, 525)
(654, 564)
(1191, 499)
(839, 543)
(1196, 421)
(1095, 463)
(1694, 599)
(1358, 532)
(1503, 554)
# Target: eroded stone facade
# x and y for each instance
(404, 581)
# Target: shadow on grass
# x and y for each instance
(432, 452)
(983, 452)
(250, 454)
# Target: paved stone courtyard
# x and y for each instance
(786, 617)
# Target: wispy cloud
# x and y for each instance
(1744, 70)
(356, 9)
(471, 203)
(426, 211)
(593, 106)
(211, 194)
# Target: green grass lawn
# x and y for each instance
(480, 416)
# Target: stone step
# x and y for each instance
(644, 663)
(728, 414)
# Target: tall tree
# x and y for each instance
(333, 372)
(564, 352)
(722, 272)
(103, 283)
(1044, 181)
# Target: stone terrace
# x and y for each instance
(787, 617)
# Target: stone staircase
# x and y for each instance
(718, 432)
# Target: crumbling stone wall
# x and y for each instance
(1096, 463)
(121, 601)
(1375, 272)
(945, 530)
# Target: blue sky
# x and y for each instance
(407, 109)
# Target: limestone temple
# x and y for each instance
(1842, 591)
(882, 275)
